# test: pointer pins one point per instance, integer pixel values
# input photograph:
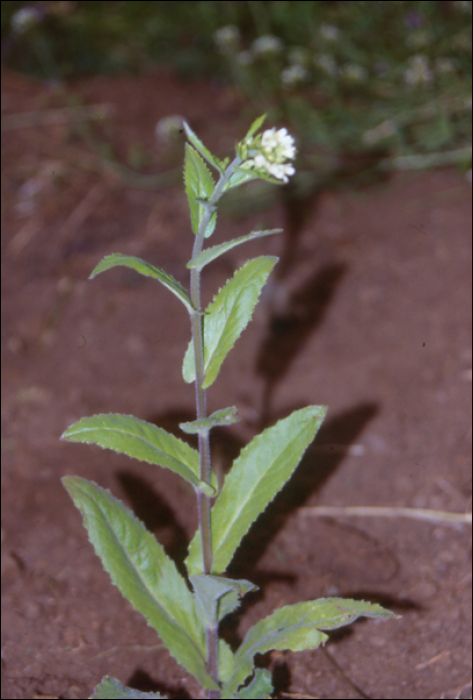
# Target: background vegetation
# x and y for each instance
(391, 80)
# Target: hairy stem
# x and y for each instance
(203, 501)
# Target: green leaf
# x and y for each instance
(199, 189)
(110, 689)
(243, 148)
(230, 600)
(225, 416)
(228, 315)
(259, 174)
(257, 124)
(240, 177)
(199, 146)
(146, 269)
(297, 627)
(256, 476)
(143, 573)
(217, 596)
(225, 661)
(141, 440)
(215, 251)
(260, 687)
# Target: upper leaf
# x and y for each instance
(112, 688)
(141, 440)
(146, 269)
(143, 573)
(260, 174)
(258, 122)
(297, 627)
(199, 189)
(228, 315)
(215, 251)
(240, 177)
(217, 596)
(256, 476)
(199, 146)
(225, 416)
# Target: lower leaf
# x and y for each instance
(296, 628)
(143, 573)
(260, 687)
(111, 688)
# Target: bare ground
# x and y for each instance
(370, 314)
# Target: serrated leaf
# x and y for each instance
(215, 251)
(256, 476)
(146, 269)
(203, 150)
(199, 189)
(217, 596)
(144, 574)
(141, 440)
(225, 416)
(228, 315)
(111, 689)
(298, 627)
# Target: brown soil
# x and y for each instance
(369, 314)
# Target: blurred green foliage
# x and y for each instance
(386, 77)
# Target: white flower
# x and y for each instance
(278, 144)
(227, 38)
(329, 32)
(280, 171)
(271, 151)
(24, 19)
(293, 75)
(418, 71)
(267, 44)
(326, 62)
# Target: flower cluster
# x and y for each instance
(25, 19)
(294, 75)
(418, 72)
(272, 150)
(227, 38)
(267, 44)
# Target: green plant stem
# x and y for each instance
(203, 501)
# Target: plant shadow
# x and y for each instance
(156, 514)
(141, 681)
(290, 328)
(319, 463)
